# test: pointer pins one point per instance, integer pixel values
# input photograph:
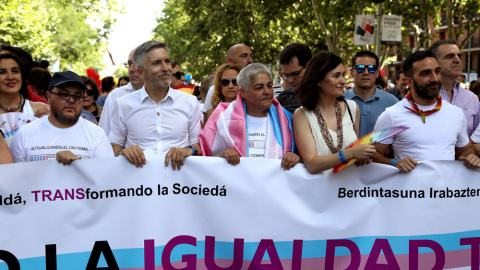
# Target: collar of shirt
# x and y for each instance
(455, 89)
(170, 94)
(351, 94)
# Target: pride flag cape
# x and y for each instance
(227, 128)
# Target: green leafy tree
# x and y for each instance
(463, 13)
(27, 24)
(70, 31)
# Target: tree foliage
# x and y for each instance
(199, 32)
(465, 15)
(72, 32)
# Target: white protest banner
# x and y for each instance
(107, 214)
(364, 30)
(392, 29)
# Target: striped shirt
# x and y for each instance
(469, 104)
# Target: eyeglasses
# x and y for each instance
(90, 92)
(292, 75)
(66, 96)
(226, 82)
(128, 64)
(178, 74)
(361, 68)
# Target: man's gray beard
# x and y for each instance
(67, 120)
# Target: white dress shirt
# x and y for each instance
(173, 122)
(110, 103)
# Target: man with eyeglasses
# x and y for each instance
(63, 135)
(135, 84)
(372, 101)
(449, 58)
(293, 61)
(178, 76)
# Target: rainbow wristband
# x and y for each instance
(342, 157)
(393, 162)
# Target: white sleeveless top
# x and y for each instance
(349, 135)
(27, 108)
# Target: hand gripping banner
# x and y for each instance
(107, 214)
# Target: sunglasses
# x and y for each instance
(178, 74)
(225, 82)
(361, 68)
(89, 92)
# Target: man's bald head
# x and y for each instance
(240, 54)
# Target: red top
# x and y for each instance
(34, 97)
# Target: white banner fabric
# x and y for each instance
(107, 214)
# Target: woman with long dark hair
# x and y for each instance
(14, 95)
(327, 123)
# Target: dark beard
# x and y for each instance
(62, 118)
(429, 91)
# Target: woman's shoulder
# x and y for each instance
(39, 105)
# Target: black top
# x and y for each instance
(288, 99)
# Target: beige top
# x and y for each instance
(349, 135)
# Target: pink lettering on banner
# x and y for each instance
(210, 254)
(350, 245)
(149, 254)
(190, 259)
(475, 250)
(266, 245)
(414, 245)
(379, 246)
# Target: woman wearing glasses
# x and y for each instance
(326, 123)
(226, 87)
(253, 125)
(89, 97)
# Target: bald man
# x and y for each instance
(240, 54)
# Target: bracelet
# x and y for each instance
(194, 150)
(342, 157)
(393, 162)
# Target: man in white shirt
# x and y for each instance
(155, 117)
(476, 140)
(63, 135)
(437, 130)
(135, 84)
